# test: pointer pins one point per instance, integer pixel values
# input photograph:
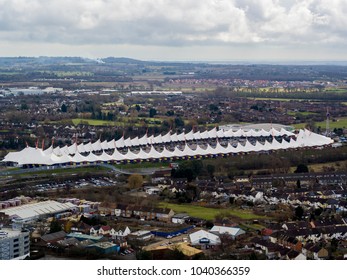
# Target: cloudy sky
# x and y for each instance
(195, 30)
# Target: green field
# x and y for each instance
(301, 113)
(209, 213)
(124, 121)
(299, 125)
(339, 123)
(63, 74)
(274, 99)
(92, 122)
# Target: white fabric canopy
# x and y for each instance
(72, 153)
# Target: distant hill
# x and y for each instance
(48, 60)
(122, 60)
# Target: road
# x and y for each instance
(141, 171)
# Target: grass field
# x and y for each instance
(299, 125)
(319, 167)
(92, 122)
(209, 213)
(306, 113)
(274, 99)
(124, 121)
(339, 123)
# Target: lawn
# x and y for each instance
(299, 125)
(319, 167)
(139, 122)
(209, 213)
(95, 122)
(339, 123)
(274, 99)
(306, 113)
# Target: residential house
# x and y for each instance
(290, 242)
(94, 230)
(179, 218)
(152, 190)
(120, 234)
(294, 255)
(271, 250)
(123, 210)
(315, 252)
(104, 230)
(164, 214)
(81, 227)
(148, 213)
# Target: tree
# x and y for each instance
(24, 106)
(54, 226)
(152, 112)
(135, 181)
(64, 108)
(179, 122)
(301, 168)
(298, 184)
(299, 212)
(213, 107)
(210, 169)
(188, 169)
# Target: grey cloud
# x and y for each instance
(170, 23)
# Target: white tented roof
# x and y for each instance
(88, 147)
(104, 145)
(96, 146)
(120, 142)
(111, 144)
(81, 148)
(212, 133)
(189, 136)
(72, 149)
(143, 141)
(153, 153)
(197, 135)
(73, 153)
(167, 137)
(77, 158)
(174, 137)
(135, 141)
(117, 156)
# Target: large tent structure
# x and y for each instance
(185, 145)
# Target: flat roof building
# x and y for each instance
(33, 211)
(14, 244)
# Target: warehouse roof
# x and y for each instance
(35, 210)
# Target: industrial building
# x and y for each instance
(34, 211)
